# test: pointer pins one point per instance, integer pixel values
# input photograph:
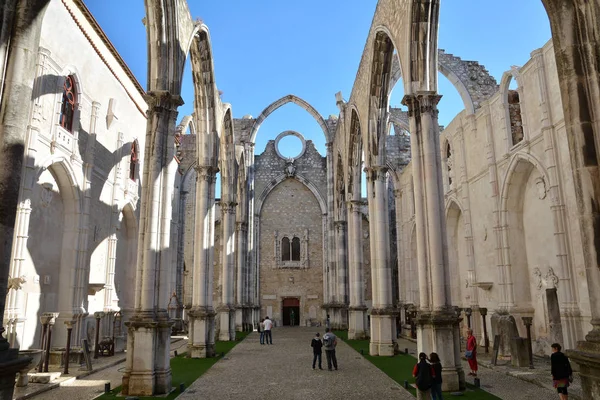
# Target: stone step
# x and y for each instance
(43, 377)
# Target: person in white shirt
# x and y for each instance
(268, 325)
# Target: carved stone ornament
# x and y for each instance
(537, 274)
(540, 184)
(290, 169)
(551, 279)
(46, 194)
(15, 283)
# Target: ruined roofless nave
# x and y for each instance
(109, 209)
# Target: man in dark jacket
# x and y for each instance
(316, 345)
(561, 371)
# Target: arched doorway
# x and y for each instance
(290, 311)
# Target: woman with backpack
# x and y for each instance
(424, 374)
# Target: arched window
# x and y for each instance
(296, 249)
(133, 161)
(516, 120)
(67, 109)
(285, 249)
(449, 163)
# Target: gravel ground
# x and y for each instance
(284, 371)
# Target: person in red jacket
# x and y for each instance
(471, 353)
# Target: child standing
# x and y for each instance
(316, 345)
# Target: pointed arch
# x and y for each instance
(355, 156)
(519, 165)
(290, 98)
(227, 157)
(311, 186)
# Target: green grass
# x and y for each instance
(186, 370)
(399, 368)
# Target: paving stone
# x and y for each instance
(283, 371)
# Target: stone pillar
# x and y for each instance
(241, 231)
(148, 370)
(383, 313)
(226, 308)
(330, 294)
(438, 325)
(357, 310)
(400, 250)
(19, 44)
(342, 272)
(115, 224)
(202, 316)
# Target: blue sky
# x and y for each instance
(264, 50)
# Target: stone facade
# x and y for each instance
(505, 202)
(77, 216)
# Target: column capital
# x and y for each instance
(354, 206)
(241, 226)
(228, 207)
(340, 225)
(159, 100)
(376, 172)
(206, 172)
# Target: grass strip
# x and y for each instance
(399, 368)
(186, 370)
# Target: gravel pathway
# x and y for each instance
(283, 371)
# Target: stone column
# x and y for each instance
(468, 226)
(438, 325)
(330, 295)
(400, 250)
(20, 37)
(252, 242)
(383, 313)
(202, 316)
(226, 308)
(115, 224)
(241, 231)
(357, 310)
(342, 272)
(147, 369)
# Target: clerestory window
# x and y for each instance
(67, 109)
(133, 160)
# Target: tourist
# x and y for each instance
(562, 374)
(424, 373)
(328, 322)
(436, 388)
(292, 318)
(261, 330)
(268, 326)
(316, 345)
(329, 343)
(471, 353)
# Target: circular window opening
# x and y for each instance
(290, 146)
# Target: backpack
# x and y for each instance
(327, 341)
(424, 379)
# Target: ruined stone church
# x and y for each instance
(109, 219)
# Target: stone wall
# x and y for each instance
(513, 201)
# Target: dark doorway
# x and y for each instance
(291, 311)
